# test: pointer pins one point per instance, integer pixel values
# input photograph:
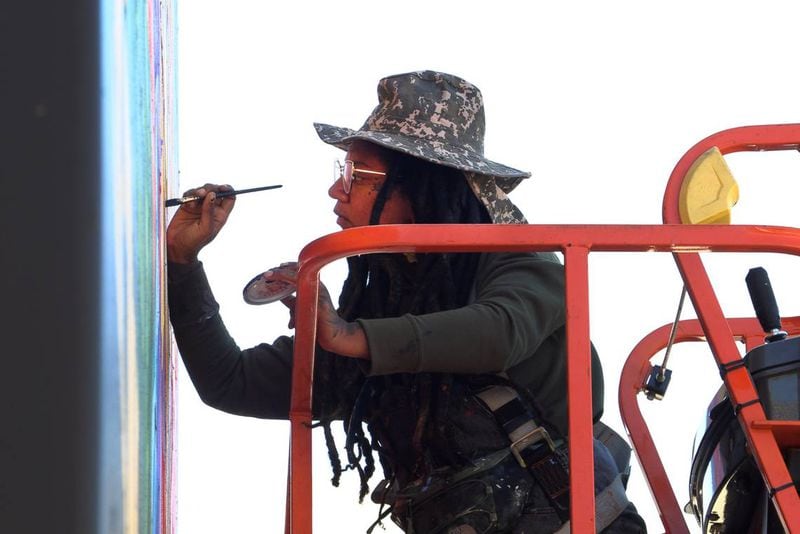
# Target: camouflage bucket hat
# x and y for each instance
(439, 118)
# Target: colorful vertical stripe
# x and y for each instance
(138, 163)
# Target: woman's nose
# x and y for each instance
(336, 191)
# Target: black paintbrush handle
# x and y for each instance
(221, 194)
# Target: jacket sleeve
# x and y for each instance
(519, 303)
(254, 382)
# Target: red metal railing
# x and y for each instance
(575, 242)
(764, 437)
(635, 372)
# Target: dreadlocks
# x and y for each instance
(390, 285)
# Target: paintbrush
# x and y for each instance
(220, 194)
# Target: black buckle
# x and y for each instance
(548, 465)
(552, 474)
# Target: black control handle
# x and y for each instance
(763, 299)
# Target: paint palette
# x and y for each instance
(262, 290)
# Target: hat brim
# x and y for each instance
(460, 158)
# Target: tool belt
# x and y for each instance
(494, 492)
(488, 496)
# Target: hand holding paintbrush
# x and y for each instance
(199, 219)
(221, 194)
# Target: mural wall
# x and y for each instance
(139, 163)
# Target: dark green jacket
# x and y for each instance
(514, 325)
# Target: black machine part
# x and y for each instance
(764, 303)
(721, 418)
(736, 497)
(738, 500)
(775, 368)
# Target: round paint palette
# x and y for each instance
(261, 290)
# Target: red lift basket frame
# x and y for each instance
(576, 242)
(765, 437)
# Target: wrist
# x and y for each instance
(177, 255)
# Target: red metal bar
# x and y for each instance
(475, 238)
(579, 390)
(298, 518)
(761, 439)
(741, 389)
(743, 139)
(634, 375)
(787, 433)
(678, 238)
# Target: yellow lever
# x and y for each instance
(709, 191)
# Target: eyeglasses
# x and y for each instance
(346, 174)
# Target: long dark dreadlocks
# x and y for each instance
(390, 285)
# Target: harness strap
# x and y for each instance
(532, 445)
(609, 503)
(617, 446)
(547, 459)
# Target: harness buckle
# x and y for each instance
(534, 436)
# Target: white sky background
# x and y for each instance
(598, 99)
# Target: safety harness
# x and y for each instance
(546, 459)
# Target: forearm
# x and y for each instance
(345, 339)
(254, 382)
